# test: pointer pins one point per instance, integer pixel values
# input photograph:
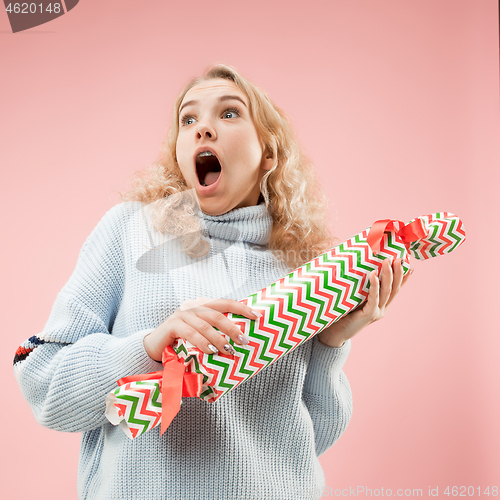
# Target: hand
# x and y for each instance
(381, 294)
(194, 322)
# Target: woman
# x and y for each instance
(257, 213)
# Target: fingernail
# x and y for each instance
(229, 348)
(243, 339)
(213, 348)
(255, 314)
(411, 271)
(402, 262)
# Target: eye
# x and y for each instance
(229, 111)
(185, 119)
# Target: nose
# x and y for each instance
(206, 130)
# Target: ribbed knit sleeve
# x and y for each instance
(66, 371)
(327, 393)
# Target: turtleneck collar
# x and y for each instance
(248, 224)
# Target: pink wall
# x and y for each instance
(396, 102)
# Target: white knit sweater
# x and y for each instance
(260, 441)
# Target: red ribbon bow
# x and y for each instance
(176, 384)
(408, 233)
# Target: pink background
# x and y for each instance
(397, 103)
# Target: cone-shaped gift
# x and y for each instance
(296, 308)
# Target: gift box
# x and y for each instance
(294, 309)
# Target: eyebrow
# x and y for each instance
(221, 99)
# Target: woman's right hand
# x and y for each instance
(194, 321)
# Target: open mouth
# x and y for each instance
(208, 168)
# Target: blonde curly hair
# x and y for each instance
(290, 190)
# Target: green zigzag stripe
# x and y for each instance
(415, 250)
(223, 382)
(181, 349)
(336, 304)
(431, 238)
(397, 247)
(452, 234)
(306, 285)
(197, 365)
(156, 393)
(207, 393)
(133, 410)
(245, 353)
(321, 308)
(351, 289)
(360, 261)
(336, 292)
(274, 321)
(262, 357)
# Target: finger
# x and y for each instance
(373, 296)
(398, 273)
(205, 320)
(201, 334)
(200, 301)
(234, 307)
(190, 304)
(385, 283)
(406, 277)
(397, 279)
(225, 326)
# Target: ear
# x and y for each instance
(267, 162)
(267, 159)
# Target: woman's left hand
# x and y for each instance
(381, 294)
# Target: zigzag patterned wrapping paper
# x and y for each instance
(295, 309)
